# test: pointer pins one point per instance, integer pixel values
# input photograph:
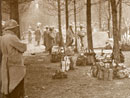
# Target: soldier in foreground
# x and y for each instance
(12, 67)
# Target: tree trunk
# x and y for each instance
(0, 35)
(116, 49)
(75, 21)
(14, 13)
(100, 19)
(75, 18)
(109, 19)
(0, 18)
(59, 23)
(67, 14)
(89, 29)
(120, 18)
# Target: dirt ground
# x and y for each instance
(79, 84)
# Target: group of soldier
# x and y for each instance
(51, 37)
(75, 38)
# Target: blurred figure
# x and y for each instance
(12, 67)
(38, 35)
(51, 40)
(81, 35)
(30, 34)
(45, 37)
(58, 40)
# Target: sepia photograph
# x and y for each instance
(64, 48)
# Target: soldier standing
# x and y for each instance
(38, 35)
(81, 35)
(29, 35)
(45, 37)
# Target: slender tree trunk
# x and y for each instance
(100, 19)
(0, 18)
(14, 13)
(89, 28)
(0, 35)
(59, 23)
(120, 18)
(116, 50)
(109, 19)
(75, 21)
(67, 14)
(75, 18)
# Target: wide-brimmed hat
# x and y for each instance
(10, 24)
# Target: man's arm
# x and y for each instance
(15, 42)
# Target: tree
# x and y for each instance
(0, 35)
(0, 17)
(109, 18)
(75, 20)
(14, 12)
(120, 18)
(66, 14)
(89, 28)
(52, 7)
(116, 50)
(100, 15)
(59, 23)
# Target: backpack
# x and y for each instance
(81, 61)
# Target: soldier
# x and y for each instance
(12, 67)
(38, 35)
(51, 39)
(29, 35)
(81, 35)
(45, 37)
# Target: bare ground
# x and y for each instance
(39, 82)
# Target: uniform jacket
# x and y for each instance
(50, 43)
(45, 37)
(38, 35)
(12, 67)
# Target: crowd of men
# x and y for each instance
(51, 37)
(48, 36)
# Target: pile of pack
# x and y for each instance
(66, 64)
(56, 54)
(85, 58)
(106, 69)
(81, 60)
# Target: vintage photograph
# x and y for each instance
(64, 48)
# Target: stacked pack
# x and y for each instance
(56, 54)
(107, 69)
(90, 57)
(103, 69)
(81, 60)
